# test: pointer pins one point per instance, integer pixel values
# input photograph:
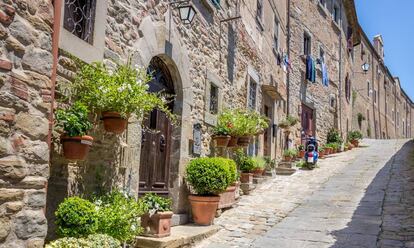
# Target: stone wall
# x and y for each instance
(308, 17)
(195, 54)
(25, 68)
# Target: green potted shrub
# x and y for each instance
(118, 94)
(301, 151)
(354, 137)
(228, 197)
(328, 149)
(207, 177)
(249, 123)
(289, 154)
(157, 219)
(93, 240)
(246, 166)
(321, 151)
(76, 217)
(259, 166)
(221, 133)
(75, 124)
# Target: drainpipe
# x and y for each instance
(340, 74)
(57, 4)
(288, 52)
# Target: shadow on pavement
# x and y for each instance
(385, 215)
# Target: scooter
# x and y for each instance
(311, 153)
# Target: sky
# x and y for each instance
(393, 19)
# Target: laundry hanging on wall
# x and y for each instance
(310, 69)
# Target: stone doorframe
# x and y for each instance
(158, 41)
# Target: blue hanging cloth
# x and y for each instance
(325, 78)
(310, 69)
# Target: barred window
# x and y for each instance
(252, 94)
(213, 99)
(79, 18)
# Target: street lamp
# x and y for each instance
(365, 67)
(186, 11)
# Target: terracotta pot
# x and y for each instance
(233, 141)
(113, 122)
(355, 143)
(204, 208)
(77, 147)
(258, 172)
(243, 141)
(301, 154)
(346, 149)
(287, 158)
(322, 154)
(221, 140)
(227, 198)
(246, 177)
(158, 225)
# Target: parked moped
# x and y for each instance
(311, 153)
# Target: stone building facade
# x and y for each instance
(246, 54)
(382, 109)
(25, 94)
(323, 31)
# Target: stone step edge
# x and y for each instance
(181, 236)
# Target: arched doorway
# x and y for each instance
(156, 135)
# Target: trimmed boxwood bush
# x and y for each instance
(76, 217)
(233, 176)
(208, 176)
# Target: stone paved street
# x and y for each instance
(361, 198)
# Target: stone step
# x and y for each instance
(285, 171)
(285, 164)
(258, 180)
(181, 236)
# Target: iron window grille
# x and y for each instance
(213, 99)
(79, 18)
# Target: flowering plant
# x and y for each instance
(240, 122)
(155, 203)
(124, 90)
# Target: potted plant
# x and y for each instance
(118, 94)
(328, 149)
(270, 163)
(221, 135)
(301, 151)
(288, 122)
(157, 219)
(354, 137)
(259, 166)
(246, 165)
(289, 154)
(321, 152)
(75, 123)
(207, 177)
(228, 197)
(249, 123)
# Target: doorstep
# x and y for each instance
(181, 236)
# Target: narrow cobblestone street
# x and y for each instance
(361, 198)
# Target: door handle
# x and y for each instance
(162, 143)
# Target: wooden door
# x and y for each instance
(307, 121)
(156, 136)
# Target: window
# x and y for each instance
(79, 18)
(375, 96)
(368, 89)
(276, 34)
(336, 14)
(213, 99)
(307, 46)
(347, 88)
(252, 94)
(259, 14)
(362, 51)
(332, 101)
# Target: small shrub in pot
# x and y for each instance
(208, 177)
(157, 219)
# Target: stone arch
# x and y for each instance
(157, 40)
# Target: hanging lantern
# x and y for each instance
(187, 13)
